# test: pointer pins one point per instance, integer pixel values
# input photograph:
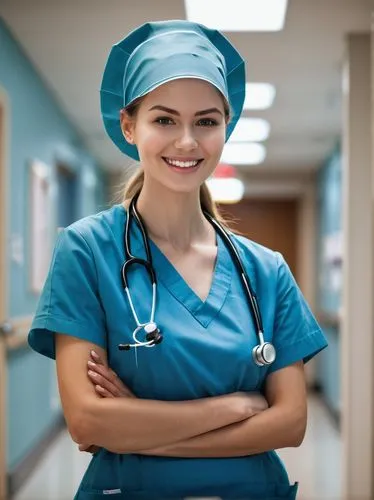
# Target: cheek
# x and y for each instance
(215, 145)
(148, 142)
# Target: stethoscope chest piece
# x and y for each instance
(264, 354)
(153, 336)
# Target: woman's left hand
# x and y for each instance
(107, 385)
(106, 381)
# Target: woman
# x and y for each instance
(201, 399)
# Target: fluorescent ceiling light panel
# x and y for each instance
(259, 95)
(226, 190)
(238, 153)
(250, 130)
(238, 15)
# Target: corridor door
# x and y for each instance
(67, 201)
(3, 308)
(272, 223)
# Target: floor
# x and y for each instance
(316, 464)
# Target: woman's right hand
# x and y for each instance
(257, 403)
(248, 404)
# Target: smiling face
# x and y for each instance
(179, 129)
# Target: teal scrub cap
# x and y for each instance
(158, 52)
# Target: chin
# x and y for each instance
(183, 189)
(183, 185)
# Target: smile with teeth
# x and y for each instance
(182, 164)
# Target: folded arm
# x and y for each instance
(281, 425)
(128, 424)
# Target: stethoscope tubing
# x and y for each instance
(264, 354)
(130, 259)
(240, 268)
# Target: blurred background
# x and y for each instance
(297, 176)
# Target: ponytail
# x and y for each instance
(133, 186)
(210, 206)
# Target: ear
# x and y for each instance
(127, 126)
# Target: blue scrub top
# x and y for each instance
(206, 351)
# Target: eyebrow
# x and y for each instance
(174, 112)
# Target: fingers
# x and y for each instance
(84, 447)
(101, 376)
(96, 358)
(89, 448)
(106, 371)
(103, 392)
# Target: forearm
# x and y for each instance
(271, 429)
(124, 424)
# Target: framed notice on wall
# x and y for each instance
(39, 249)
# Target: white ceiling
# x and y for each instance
(69, 41)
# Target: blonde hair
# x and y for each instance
(135, 184)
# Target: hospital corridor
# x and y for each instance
(187, 227)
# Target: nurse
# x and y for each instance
(193, 415)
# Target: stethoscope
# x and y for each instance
(264, 354)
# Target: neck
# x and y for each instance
(174, 218)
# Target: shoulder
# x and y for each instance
(260, 261)
(97, 229)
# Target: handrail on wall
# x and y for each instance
(327, 318)
(17, 336)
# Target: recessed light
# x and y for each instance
(240, 153)
(238, 15)
(226, 190)
(259, 95)
(250, 130)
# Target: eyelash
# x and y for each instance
(212, 122)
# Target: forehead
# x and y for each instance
(185, 92)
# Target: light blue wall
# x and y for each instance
(38, 130)
(33, 402)
(329, 297)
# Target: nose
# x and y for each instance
(186, 140)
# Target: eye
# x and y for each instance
(164, 120)
(207, 122)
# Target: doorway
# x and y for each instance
(67, 205)
(272, 223)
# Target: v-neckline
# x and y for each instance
(203, 311)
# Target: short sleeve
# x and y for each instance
(297, 335)
(69, 302)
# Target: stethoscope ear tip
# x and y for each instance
(124, 347)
